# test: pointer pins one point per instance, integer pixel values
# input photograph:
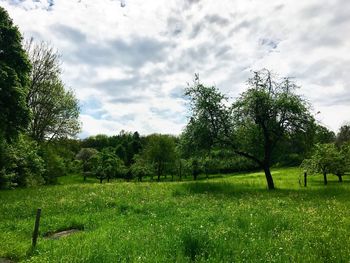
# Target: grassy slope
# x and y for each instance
(216, 220)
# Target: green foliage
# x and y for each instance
(14, 74)
(294, 148)
(326, 159)
(106, 165)
(266, 114)
(126, 144)
(23, 166)
(196, 168)
(343, 135)
(54, 164)
(182, 168)
(55, 110)
(141, 167)
(85, 155)
(160, 151)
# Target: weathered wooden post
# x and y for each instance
(305, 178)
(36, 227)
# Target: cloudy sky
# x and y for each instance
(129, 61)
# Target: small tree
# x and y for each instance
(106, 165)
(325, 159)
(141, 168)
(84, 155)
(160, 150)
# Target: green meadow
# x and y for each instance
(231, 218)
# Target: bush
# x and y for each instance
(22, 165)
(54, 164)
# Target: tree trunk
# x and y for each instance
(325, 178)
(101, 180)
(107, 179)
(270, 184)
(305, 179)
(340, 178)
(159, 171)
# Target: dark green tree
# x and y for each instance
(14, 80)
(343, 135)
(85, 155)
(261, 117)
(196, 169)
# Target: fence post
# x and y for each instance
(36, 227)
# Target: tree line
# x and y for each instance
(269, 124)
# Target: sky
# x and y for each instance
(129, 61)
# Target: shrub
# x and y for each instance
(23, 166)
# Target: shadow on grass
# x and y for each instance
(231, 190)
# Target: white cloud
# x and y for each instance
(128, 65)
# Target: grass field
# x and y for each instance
(228, 219)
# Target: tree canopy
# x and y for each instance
(55, 110)
(325, 159)
(14, 79)
(160, 151)
(254, 124)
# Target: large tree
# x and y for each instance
(14, 79)
(55, 110)
(267, 113)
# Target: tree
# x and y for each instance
(106, 165)
(14, 80)
(85, 155)
(325, 159)
(23, 165)
(55, 110)
(160, 150)
(141, 168)
(54, 164)
(343, 135)
(195, 168)
(263, 116)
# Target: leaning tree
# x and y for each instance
(253, 125)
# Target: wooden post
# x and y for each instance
(36, 227)
(305, 178)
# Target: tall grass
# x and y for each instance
(229, 219)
